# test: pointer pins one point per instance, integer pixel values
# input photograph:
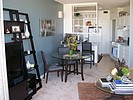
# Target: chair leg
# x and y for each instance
(62, 75)
(58, 73)
(66, 72)
(69, 67)
(44, 74)
(77, 67)
(91, 63)
(93, 59)
(74, 68)
(47, 77)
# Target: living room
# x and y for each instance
(49, 9)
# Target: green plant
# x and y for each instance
(120, 70)
(71, 42)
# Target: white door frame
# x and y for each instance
(4, 95)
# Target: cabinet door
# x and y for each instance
(19, 92)
(123, 21)
(127, 20)
(126, 54)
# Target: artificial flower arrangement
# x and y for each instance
(71, 43)
(120, 70)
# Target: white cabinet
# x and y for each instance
(84, 18)
(123, 21)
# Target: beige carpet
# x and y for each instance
(57, 90)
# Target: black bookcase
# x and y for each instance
(23, 82)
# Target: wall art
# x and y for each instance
(47, 27)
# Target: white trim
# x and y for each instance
(4, 95)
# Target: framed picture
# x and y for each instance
(15, 28)
(47, 27)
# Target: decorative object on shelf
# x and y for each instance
(15, 28)
(27, 34)
(72, 43)
(47, 27)
(121, 70)
(77, 14)
(28, 65)
(22, 35)
(7, 30)
(88, 23)
(28, 51)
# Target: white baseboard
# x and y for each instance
(41, 76)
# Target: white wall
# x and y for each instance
(67, 18)
(104, 21)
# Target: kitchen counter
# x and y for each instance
(120, 50)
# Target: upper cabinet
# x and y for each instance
(123, 21)
(80, 17)
(84, 18)
(123, 18)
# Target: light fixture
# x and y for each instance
(60, 14)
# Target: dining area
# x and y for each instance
(70, 59)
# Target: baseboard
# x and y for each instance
(41, 76)
(105, 54)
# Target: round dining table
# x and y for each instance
(75, 57)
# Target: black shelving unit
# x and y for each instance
(32, 80)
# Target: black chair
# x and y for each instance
(63, 51)
(87, 51)
(51, 68)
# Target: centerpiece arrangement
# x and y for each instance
(120, 70)
(71, 43)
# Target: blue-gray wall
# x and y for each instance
(37, 9)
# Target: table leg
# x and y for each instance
(82, 69)
(66, 69)
(77, 67)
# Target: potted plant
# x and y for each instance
(72, 43)
(121, 70)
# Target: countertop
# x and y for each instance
(119, 43)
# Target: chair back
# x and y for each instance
(44, 60)
(63, 50)
(87, 46)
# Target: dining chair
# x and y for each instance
(63, 51)
(51, 68)
(87, 51)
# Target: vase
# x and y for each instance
(28, 65)
(27, 34)
(70, 52)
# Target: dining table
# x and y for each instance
(65, 58)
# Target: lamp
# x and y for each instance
(60, 14)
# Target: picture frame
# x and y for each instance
(15, 28)
(47, 27)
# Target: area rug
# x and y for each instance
(87, 91)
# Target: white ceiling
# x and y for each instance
(104, 4)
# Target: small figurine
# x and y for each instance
(7, 30)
